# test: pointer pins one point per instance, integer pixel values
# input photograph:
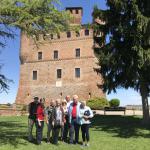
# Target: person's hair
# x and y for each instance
(42, 101)
(64, 102)
(75, 96)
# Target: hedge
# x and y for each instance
(97, 103)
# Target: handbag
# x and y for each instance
(87, 113)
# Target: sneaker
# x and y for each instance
(87, 145)
(83, 144)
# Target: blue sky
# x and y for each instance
(9, 56)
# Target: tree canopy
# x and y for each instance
(125, 58)
(33, 17)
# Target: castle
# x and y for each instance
(62, 65)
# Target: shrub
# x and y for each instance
(97, 103)
(114, 102)
(24, 108)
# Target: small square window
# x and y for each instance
(77, 72)
(87, 32)
(55, 54)
(59, 73)
(39, 55)
(77, 52)
(68, 34)
(34, 75)
(77, 11)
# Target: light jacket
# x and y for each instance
(78, 119)
(82, 113)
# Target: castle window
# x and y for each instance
(77, 34)
(77, 72)
(68, 34)
(86, 32)
(34, 75)
(77, 11)
(51, 36)
(71, 11)
(77, 52)
(59, 73)
(39, 55)
(55, 54)
(58, 36)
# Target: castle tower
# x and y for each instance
(62, 65)
(77, 13)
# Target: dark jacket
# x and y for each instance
(32, 110)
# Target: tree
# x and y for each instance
(33, 17)
(125, 58)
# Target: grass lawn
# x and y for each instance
(107, 133)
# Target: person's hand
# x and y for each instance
(62, 123)
(39, 123)
(47, 122)
(86, 117)
(53, 123)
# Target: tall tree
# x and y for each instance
(125, 58)
(33, 17)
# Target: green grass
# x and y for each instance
(107, 133)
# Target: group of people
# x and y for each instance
(63, 118)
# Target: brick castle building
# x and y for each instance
(62, 65)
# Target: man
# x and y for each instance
(74, 119)
(49, 112)
(32, 117)
(66, 125)
(57, 121)
(68, 99)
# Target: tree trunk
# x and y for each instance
(145, 106)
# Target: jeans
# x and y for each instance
(31, 123)
(74, 128)
(49, 129)
(85, 132)
(39, 132)
(55, 134)
(65, 131)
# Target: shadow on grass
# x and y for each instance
(121, 126)
(11, 132)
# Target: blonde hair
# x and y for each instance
(83, 102)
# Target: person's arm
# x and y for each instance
(91, 113)
(38, 113)
(63, 116)
(46, 116)
(53, 116)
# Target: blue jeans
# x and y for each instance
(74, 128)
(39, 132)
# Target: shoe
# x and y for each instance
(83, 144)
(48, 142)
(87, 145)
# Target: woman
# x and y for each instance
(40, 121)
(86, 114)
(49, 112)
(66, 118)
(57, 120)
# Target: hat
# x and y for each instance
(36, 98)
